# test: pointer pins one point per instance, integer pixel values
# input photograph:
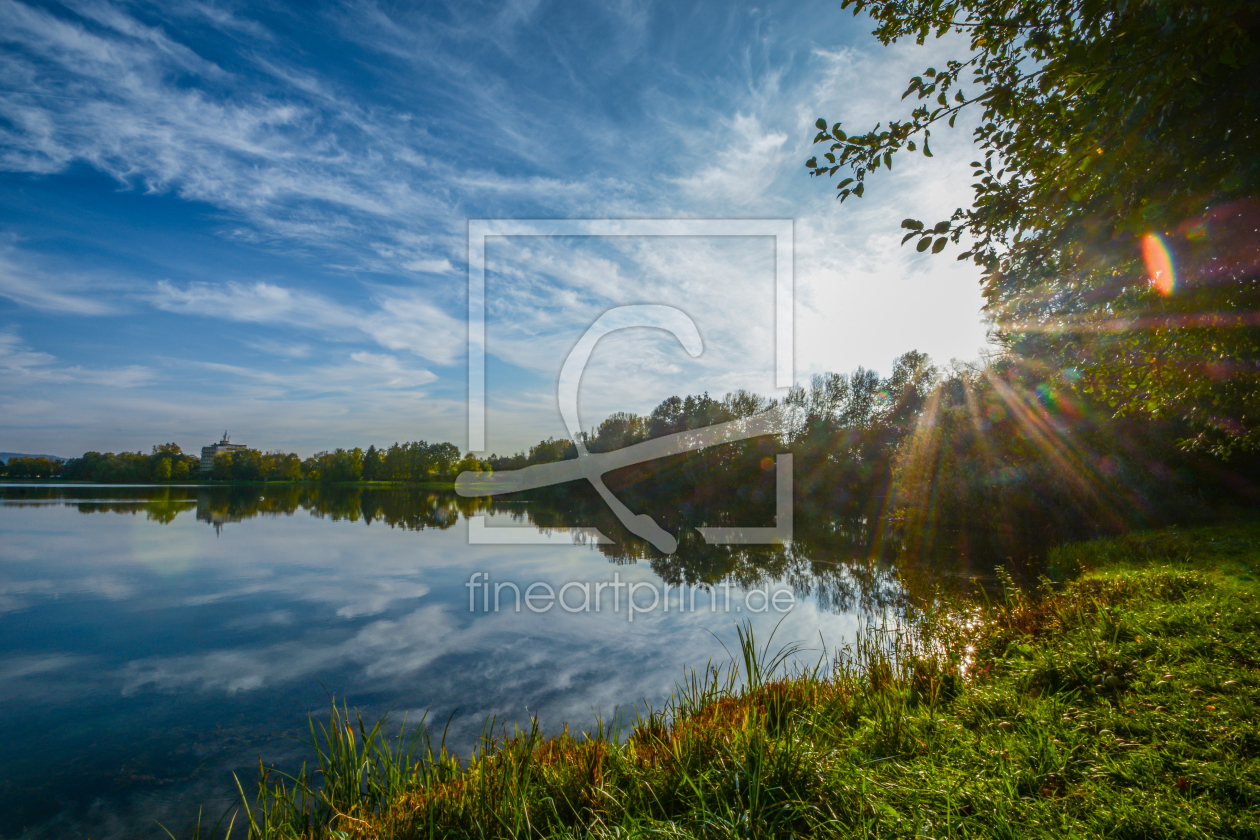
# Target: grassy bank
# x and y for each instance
(1122, 705)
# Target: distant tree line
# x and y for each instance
(167, 462)
(991, 458)
(22, 467)
(413, 462)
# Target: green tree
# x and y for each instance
(23, 467)
(618, 430)
(1112, 215)
(278, 466)
(470, 463)
(393, 464)
(247, 465)
(221, 469)
(371, 464)
(340, 465)
(551, 450)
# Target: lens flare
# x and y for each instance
(1159, 264)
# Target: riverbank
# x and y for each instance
(1124, 704)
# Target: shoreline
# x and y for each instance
(1123, 703)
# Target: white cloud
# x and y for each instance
(402, 320)
(258, 303)
(20, 367)
(442, 266)
(280, 348)
(745, 170)
(364, 373)
(41, 290)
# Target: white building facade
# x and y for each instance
(208, 452)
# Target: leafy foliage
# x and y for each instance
(1008, 458)
(253, 465)
(166, 461)
(25, 467)
(1109, 130)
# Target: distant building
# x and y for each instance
(208, 452)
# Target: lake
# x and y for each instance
(154, 640)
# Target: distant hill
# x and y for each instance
(5, 456)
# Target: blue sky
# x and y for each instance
(253, 216)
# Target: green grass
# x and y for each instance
(1123, 704)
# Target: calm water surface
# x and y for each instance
(154, 640)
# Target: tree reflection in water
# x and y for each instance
(843, 562)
